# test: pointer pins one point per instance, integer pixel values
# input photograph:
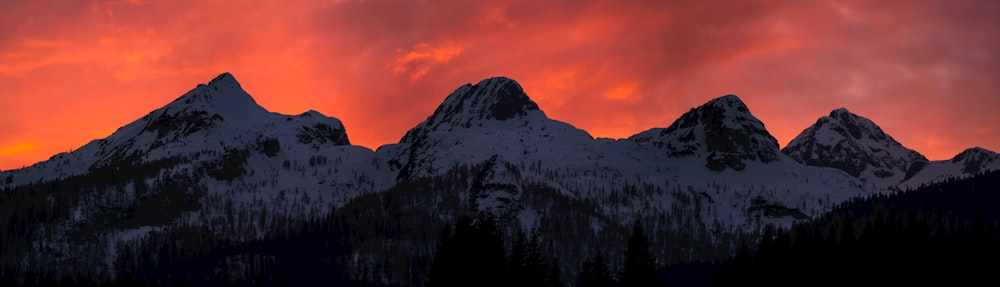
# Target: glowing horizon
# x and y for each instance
(924, 71)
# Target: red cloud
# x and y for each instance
(924, 70)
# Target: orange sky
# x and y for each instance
(926, 71)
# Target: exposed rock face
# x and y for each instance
(856, 145)
(492, 117)
(722, 130)
(498, 98)
(497, 190)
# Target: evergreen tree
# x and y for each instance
(554, 275)
(535, 267)
(527, 266)
(473, 256)
(517, 258)
(444, 260)
(640, 265)
(487, 253)
(595, 273)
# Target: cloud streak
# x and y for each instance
(923, 70)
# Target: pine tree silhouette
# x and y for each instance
(640, 265)
(595, 273)
(473, 256)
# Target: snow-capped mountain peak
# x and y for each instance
(856, 145)
(225, 79)
(222, 98)
(728, 101)
(494, 116)
(497, 98)
(969, 162)
(493, 99)
(841, 111)
(975, 160)
(722, 130)
(311, 113)
(210, 118)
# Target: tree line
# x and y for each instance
(472, 252)
(945, 232)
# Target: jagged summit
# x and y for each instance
(976, 159)
(858, 126)
(973, 151)
(494, 116)
(222, 110)
(206, 107)
(223, 96)
(212, 118)
(311, 113)
(856, 145)
(840, 111)
(225, 79)
(499, 98)
(969, 162)
(722, 130)
(494, 99)
(729, 100)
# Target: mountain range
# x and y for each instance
(215, 159)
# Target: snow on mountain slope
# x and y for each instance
(476, 122)
(969, 162)
(497, 189)
(719, 146)
(723, 130)
(856, 145)
(723, 144)
(212, 158)
(210, 117)
(230, 153)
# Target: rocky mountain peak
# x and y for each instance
(222, 96)
(975, 159)
(722, 130)
(494, 99)
(854, 144)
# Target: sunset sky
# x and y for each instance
(926, 71)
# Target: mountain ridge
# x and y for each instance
(722, 130)
(856, 145)
(201, 119)
(215, 160)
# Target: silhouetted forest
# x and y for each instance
(945, 232)
(475, 256)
